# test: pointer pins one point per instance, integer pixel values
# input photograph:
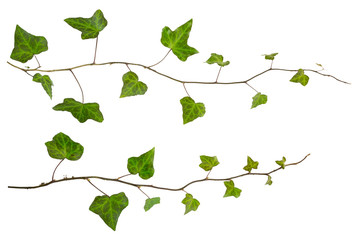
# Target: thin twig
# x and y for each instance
(207, 176)
(160, 60)
(251, 87)
(52, 179)
(82, 92)
(127, 65)
(157, 187)
(217, 77)
(124, 176)
(96, 187)
(96, 44)
(143, 192)
(186, 90)
(39, 66)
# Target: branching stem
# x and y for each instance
(157, 187)
(82, 92)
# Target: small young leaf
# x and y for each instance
(258, 99)
(109, 208)
(300, 77)
(27, 45)
(81, 111)
(191, 204)
(132, 86)
(45, 82)
(142, 164)
(89, 27)
(191, 110)
(215, 58)
(177, 40)
(231, 190)
(270, 56)
(281, 163)
(269, 181)
(207, 163)
(150, 202)
(251, 164)
(62, 147)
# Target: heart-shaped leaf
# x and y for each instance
(45, 82)
(300, 77)
(142, 164)
(231, 190)
(258, 99)
(191, 204)
(177, 40)
(191, 110)
(81, 111)
(150, 202)
(132, 86)
(27, 45)
(62, 147)
(109, 208)
(219, 59)
(207, 163)
(89, 27)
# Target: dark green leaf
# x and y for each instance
(207, 163)
(81, 111)
(132, 86)
(215, 58)
(191, 110)
(251, 164)
(269, 181)
(281, 163)
(27, 45)
(258, 99)
(300, 77)
(150, 202)
(231, 190)
(270, 56)
(45, 82)
(142, 164)
(89, 27)
(177, 40)
(191, 204)
(62, 147)
(109, 208)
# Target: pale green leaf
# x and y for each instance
(269, 181)
(219, 59)
(150, 202)
(81, 111)
(144, 164)
(251, 164)
(89, 27)
(177, 40)
(191, 110)
(231, 190)
(281, 163)
(27, 45)
(258, 99)
(109, 208)
(191, 204)
(207, 163)
(270, 56)
(132, 86)
(300, 77)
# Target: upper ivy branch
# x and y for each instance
(62, 147)
(27, 45)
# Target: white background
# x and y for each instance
(317, 199)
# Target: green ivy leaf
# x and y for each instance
(81, 111)
(89, 27)
(231, 190)
(27, 45)
(300, 77)
(270, 56)
(109, 208)
(281, 163)
(191, 110)
(258, 99)
(269, 181)
(191, 204)
(215, 58)
(251, 164)
(132, 86)
(150, 202)
(62, 147)
(177, 40)
(207, 163)
(45, 82)
(142, 164)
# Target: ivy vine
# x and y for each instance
(109, 207)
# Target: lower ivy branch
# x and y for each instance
(138, 185)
